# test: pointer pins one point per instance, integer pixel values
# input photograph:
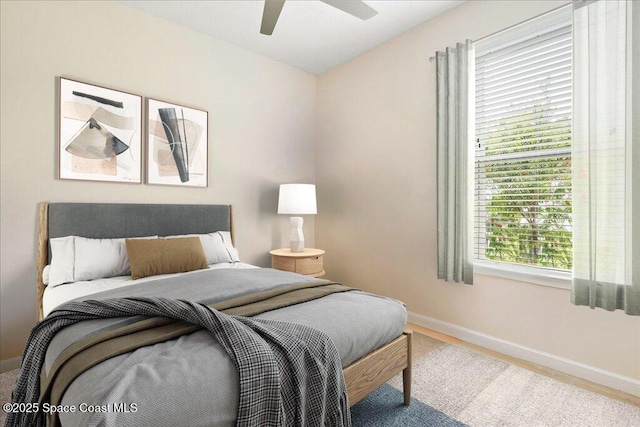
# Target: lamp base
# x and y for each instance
(296, 240)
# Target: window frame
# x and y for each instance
(540, 275)
(523, 273)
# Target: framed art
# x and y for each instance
(100, 133)
(177, 144)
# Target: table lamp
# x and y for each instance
(297, 199)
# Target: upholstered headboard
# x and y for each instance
(107, 221)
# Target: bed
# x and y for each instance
(373, 346)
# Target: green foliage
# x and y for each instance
(528, 198)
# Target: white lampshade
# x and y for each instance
(297, 199)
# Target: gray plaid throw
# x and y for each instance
(290, 374)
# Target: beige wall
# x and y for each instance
(261, 127)
(376, 177)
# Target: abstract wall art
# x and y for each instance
(100, 133)
(177, 145)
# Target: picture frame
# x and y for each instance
(99, 133)
(177, 144)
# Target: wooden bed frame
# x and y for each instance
(361, 377)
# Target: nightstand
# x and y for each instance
(308, 262)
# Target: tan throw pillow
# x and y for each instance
(164, 256)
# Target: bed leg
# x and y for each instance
(406, 373)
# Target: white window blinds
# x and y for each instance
(523, 144)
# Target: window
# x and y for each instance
(523, 86)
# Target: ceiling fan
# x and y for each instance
(272, 9)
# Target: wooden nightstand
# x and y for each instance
(308, 262)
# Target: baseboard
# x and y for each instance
(568, 366)
(9, 364)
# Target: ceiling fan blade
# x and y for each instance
(357, 8)
(272, 9)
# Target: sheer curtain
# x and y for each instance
(605, 145)
(455, 101)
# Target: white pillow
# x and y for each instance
(97, 258)
(45, 274)
(226, 239)
(217, 246)
(62, 260)
(75, 258)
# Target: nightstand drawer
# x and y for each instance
(282, 263)
(308, 262)
(311, 265)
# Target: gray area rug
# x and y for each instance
(384, 408)
(453, 386)
(7, 382)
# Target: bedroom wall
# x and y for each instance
(261, 128)
(376, 178)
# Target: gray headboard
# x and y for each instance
(114, 220)
(108, 221)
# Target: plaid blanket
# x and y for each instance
(290, 374)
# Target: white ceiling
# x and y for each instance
(310, 35)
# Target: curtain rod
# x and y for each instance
(433, 58)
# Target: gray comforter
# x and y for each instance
(204, 382)
(299, 382)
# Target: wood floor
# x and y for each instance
(566, 378)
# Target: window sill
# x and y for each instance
(537, 275)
